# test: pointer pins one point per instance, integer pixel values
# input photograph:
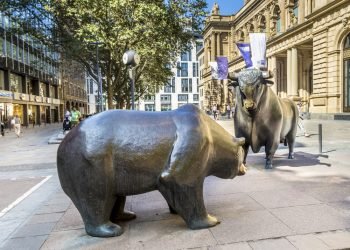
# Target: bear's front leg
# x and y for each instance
(187, 201)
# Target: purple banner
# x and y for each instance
(244, 48)
(222, 67)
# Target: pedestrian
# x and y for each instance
(75, 117)
(215, 112)
(17, 125)
(228, 111)
(300, 121)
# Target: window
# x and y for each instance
(186, 56)
(165, 98)
(184, 85)
(184, 69)
(15, 83)
(182, 98)
(346, 56)
(347, 42)
(165, 107)
(2, 80)
(150, 107)
(91, 86)
(170, 86)
(296, 8)
(149, 98)
(195, 69)
(195, 97)
(199, 46)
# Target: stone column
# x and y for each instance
(212, 47)
(294, 73)
(289, 72)
(218, 44)
(206, 52)
(272, 66)
(301, 14)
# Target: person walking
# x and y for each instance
(75, 117)
(215, 112)
(17, 125)
(300, 121)
(228, 111)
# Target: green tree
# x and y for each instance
(158, 30)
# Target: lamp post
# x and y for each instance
(131, 59)
(99, 79)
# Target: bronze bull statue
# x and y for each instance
(119, 153)
(261, 117)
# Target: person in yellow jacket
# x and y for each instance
(75, 117)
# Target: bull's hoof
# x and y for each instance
(242, 170)
(210, 221)
(105, 230)
(125, 216)
(291, 156)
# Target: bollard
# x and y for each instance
(320, 138)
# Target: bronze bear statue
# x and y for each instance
(118, 153)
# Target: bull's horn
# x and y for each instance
(267, 74)
(240, 141)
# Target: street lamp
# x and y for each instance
(131, 59)
(99, 79)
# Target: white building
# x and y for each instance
(92, 94)
(182, 88)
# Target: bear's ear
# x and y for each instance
(240, 141)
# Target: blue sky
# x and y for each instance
(227, 7)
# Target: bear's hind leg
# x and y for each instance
(188, 202)
(119, 213)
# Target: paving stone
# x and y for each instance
(230, 204)
(272, 244)
(252, 225)
(234, 246)
(244, 184)
(25, 243)
(168, 234)
(282, 198)
(78, 239)
(312, 218)
(70, 220)
(45, 218)
(336, 240)
(307, 241)
(53, 208)
(343, 207)
(34, 230)
(331, 193)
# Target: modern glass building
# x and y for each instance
(29, 84)
(182, 88)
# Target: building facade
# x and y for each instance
(182, 88)
(307, 49)
(29, 84)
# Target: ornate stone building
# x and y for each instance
(308, 48)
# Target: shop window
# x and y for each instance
(2, 80)
(15, 83)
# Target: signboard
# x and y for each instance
(6, 94)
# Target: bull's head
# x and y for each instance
(252, 84)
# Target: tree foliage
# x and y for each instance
(158, 30)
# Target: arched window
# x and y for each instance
(262, 24)
(276, 21)
(346, 56)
